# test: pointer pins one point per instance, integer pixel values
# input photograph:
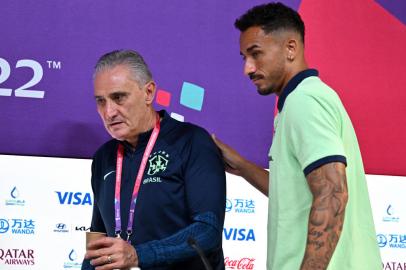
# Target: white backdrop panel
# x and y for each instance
(46, 205)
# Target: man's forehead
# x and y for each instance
(113, 71)
(106, 84)
(253, 36)
(256, 37)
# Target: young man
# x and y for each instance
(319, 210)
(159, 184)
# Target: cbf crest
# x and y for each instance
(158, 162)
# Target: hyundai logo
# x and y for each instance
(60, 226)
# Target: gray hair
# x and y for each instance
(132, 59)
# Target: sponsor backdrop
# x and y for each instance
(46, 204)
(48, 50)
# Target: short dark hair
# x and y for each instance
(272, 17)
(132, 59)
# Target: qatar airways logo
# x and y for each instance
(16, 256)
(242, 263)
(394, 266)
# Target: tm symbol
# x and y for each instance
(54, 64)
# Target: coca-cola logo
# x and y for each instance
(243, 263)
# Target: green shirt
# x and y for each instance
(313, 129)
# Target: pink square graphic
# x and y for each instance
(163, 98)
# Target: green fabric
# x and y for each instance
(312, 125)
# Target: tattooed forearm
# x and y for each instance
(328, 185)
(316, 236)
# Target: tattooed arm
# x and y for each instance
(328, 185)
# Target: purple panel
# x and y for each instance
(192, 41)
(396, 8)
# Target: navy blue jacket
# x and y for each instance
(182, 195)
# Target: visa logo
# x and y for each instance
(75, 198)
(239, 234)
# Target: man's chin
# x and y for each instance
(117, 136)
(264, 91)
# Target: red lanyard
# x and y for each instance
(119, 167)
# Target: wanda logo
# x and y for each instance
(243, 263)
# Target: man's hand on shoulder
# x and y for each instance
(233, 161)
(236, 164)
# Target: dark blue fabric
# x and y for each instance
(323, 161)
(175, 247)
(293, 83)
(186, 199)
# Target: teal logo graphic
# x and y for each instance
(191, 96)
(158, 162)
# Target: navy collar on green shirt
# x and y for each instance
(293, 83)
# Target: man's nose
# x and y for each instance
(111, 109)
(249, 67)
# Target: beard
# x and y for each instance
(265, 91)
(272, 84)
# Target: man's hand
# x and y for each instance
(328, 185)
(111, 253)
(232, 160)
(236, 164)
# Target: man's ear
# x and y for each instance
(292, 46)
(150, 89)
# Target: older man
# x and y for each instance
(159, 184)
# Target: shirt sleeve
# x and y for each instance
(176, 248)
(313, 126)
(205, 187)
(205, 178)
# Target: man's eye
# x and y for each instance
(118, 98)
(99, 101)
